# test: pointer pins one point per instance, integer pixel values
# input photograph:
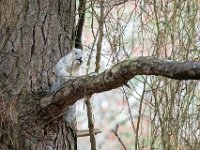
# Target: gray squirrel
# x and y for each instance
(66, 68)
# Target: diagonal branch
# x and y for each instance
(116, 76)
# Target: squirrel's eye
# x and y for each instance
(75, 53)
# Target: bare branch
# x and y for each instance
(118, 137)
(116, 76)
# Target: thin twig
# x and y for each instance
(118, 137)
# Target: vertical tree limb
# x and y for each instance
(79, 27)
(99, 43)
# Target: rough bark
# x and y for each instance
(34, 34)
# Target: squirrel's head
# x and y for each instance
(78, 55)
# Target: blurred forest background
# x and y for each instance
(152, 112)
(155, 113)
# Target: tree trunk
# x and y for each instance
(33, 36)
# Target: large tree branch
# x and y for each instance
(115, 77)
